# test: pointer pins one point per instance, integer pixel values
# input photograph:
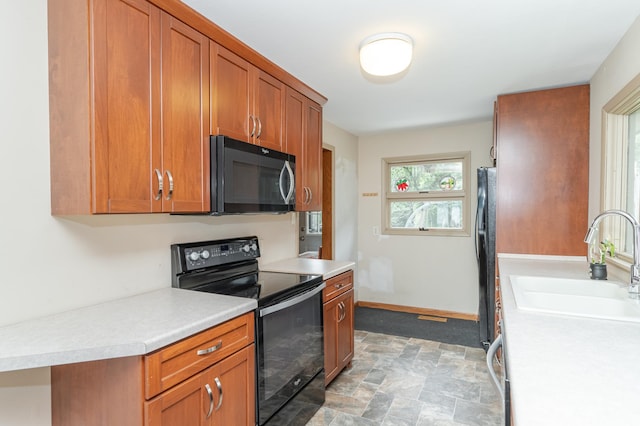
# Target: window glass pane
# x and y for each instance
(426, 176)
(426, 214)
(633, 172)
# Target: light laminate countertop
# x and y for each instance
(130, 326)
(300, 265)
(567, 370)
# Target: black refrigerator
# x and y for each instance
(486, 252)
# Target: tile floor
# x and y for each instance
(404, 381)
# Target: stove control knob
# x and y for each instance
(205, 254)
(246, 248)
(193, 256)
(254, 247)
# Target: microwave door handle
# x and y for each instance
(292, 183)
(284, 197)
(287, 197)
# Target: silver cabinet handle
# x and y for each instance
(159, 193)
(219, 386)
(211, 349)
(253, 129)
(259, 127)
(310, 195)
(208, 388)
(491, 353)
(170, 177)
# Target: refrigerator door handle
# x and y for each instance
(479, 217)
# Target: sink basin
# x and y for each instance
(585, 298)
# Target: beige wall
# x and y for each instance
(620, 67)
(418, 271)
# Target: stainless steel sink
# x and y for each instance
(586, 298)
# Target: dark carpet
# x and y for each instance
(454, 331)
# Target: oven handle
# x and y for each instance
(290, 302)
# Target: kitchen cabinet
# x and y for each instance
(246, 103)
(129, 109)
(205, 379)
(542, 156)
(542, 152)
(303, 135)
(338, 324)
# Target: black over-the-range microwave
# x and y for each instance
(247, 178)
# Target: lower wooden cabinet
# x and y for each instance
(218, 396)
(338, 325)
(206, 379)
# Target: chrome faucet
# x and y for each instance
(634, 284)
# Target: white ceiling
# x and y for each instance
(466, 51)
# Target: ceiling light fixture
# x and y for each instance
(386, 53)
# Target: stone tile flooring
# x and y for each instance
(404, 381)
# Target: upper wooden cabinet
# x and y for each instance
(136, 88)
(246, 103)
(542, 147)
(303, 135)
(129, 109)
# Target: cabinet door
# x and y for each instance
(345, 329)
(233, 383)
(331, 315)
(127, 94)
(294, 139)
(230, 87)
(268, 107)
(303, 138)
(185, 404)
(185, 117)
(313, 155)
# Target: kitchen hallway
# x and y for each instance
(407, 381)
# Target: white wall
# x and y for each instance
(345, 191)
(620, 67)
(51, 264)
(418, 271)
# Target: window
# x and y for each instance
(426, 195)
(621, 166)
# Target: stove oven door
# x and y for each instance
(290, 359)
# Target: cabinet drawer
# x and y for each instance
(337, 285)
(173, 364)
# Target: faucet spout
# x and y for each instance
(634, 284)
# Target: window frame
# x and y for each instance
(464, 195)
(614, 168)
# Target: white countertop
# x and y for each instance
(299, 265)
(134, 325)
(567, 370)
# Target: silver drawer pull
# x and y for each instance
(211, 349)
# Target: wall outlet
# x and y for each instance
(376, 230)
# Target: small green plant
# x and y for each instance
(600, 251)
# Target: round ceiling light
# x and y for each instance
(386, 53)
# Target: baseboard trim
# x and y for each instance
(420, 311)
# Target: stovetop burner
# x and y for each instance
(230, 267)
